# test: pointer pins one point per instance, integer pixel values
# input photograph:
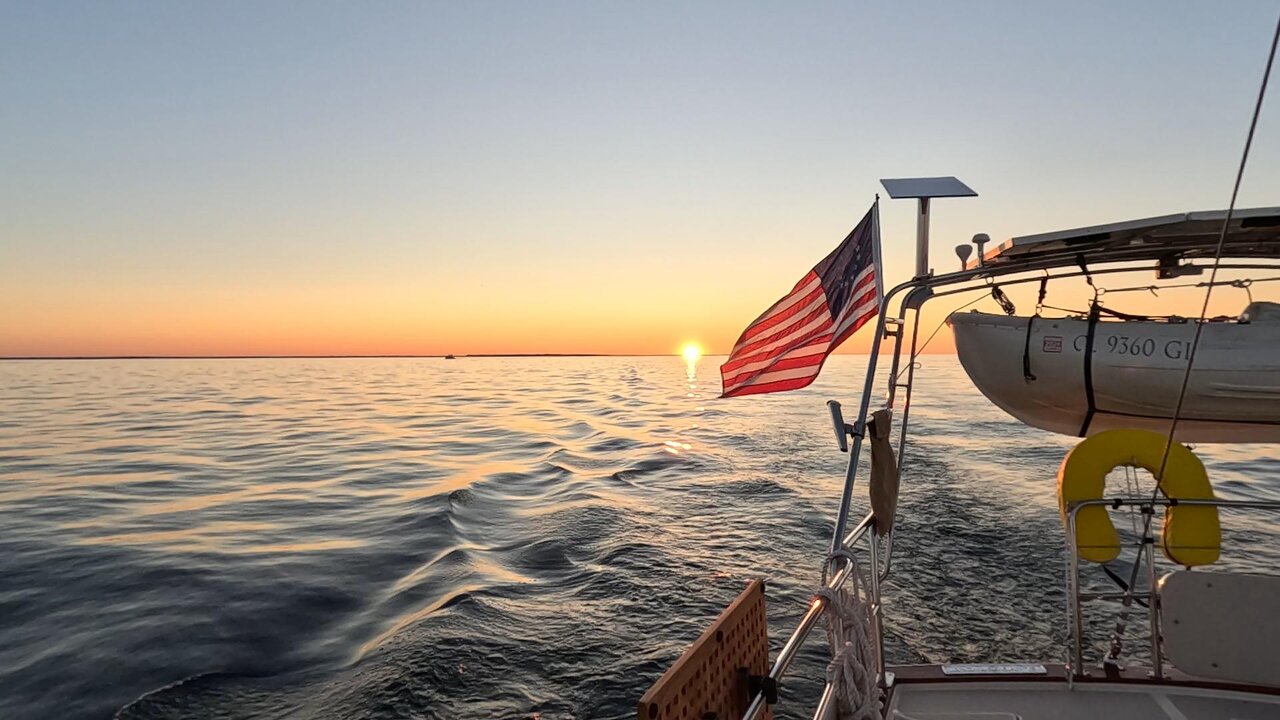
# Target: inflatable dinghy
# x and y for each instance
(1037, 370)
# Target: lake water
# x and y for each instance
(422, 538)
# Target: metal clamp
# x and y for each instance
(760, 685)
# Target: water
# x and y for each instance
(424, 538)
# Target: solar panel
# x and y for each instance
(1253, 233)
(930, 187)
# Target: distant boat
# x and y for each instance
(449, 357)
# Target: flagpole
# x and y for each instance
(859, 428)
(876, 248)
(922, 189)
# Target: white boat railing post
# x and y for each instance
(1153, 613)
(914, 301)
(1074, 617)
(825, 703)
(901, 326)
(876, 627)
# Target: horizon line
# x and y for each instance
(357, 356)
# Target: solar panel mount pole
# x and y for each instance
(922, 238)
(923, 190)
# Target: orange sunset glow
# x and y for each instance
(578, 203)
(597, 315)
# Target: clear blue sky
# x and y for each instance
(559, 177)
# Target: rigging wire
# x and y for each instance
(944, 322)
(917, 353)
(1242, 284)
(1114, 653)
(1217, 255)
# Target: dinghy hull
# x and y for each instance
(1137, 367)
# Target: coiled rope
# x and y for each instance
(852, 670)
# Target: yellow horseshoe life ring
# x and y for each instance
(1191, 534)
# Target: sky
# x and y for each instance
(553, 177)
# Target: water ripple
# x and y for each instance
(481, 537)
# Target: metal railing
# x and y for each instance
(1075, 596)
(818, 606)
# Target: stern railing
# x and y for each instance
(1076, 597)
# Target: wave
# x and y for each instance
(392, 538)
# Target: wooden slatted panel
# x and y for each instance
(705, 684)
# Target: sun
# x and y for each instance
(691, 352)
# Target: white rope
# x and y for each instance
(852, 671)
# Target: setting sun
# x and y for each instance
(691, 352)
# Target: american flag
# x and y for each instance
(785, 348)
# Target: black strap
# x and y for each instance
(1121, 582)
(1085, 269)
(1088, 367)
(1026, 346)
(1003, 300)
(1026, 352)
(1125, 315)
(1115, 313)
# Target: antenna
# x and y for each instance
(923, 190)
(981, 239)
(963, 252)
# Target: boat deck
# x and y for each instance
(1055, 700)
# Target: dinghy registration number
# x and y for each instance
(1137, 347)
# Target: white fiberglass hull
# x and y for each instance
(1137, 369)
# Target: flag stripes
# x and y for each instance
(786, 346)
